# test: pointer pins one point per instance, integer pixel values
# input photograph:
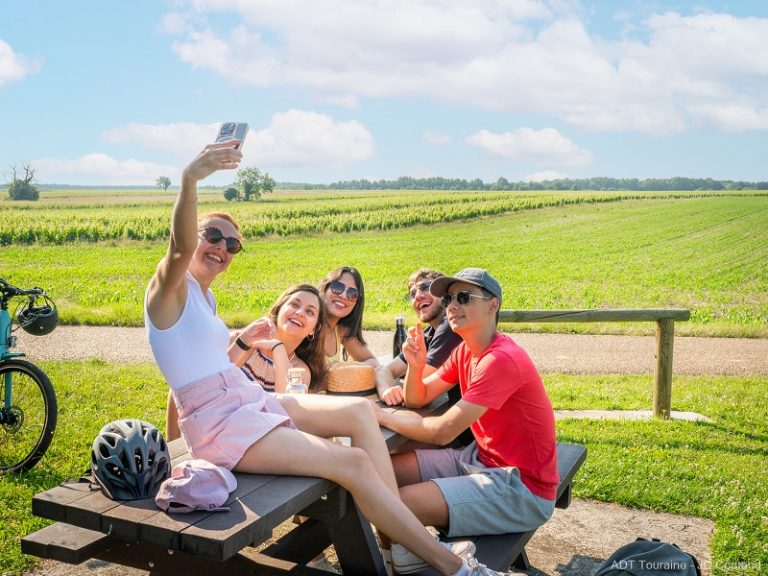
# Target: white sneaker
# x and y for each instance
(474, 568)
(406, 562)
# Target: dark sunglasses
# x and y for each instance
(213, 235)
(422, 286)
(338, 288)
(462, 298)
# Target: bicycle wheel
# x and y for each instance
(26, 428)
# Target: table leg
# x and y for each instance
(351, 533)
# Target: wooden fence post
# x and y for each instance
(662, 382)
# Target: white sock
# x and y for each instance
(387, 554)
(463, 569)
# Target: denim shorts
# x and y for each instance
(222, 415)
(482, 500)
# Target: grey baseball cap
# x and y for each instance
(477, 276)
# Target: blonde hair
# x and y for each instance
(203, 218)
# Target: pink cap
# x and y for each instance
(196, 485)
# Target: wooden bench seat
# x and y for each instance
(65, 543)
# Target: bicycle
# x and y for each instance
(28, 408)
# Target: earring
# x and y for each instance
(311, 334)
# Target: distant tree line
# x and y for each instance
(502, 184)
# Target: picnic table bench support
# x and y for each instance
(160, 562)
(333, 520)
(75, 545)
(346, 534)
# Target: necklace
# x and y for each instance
(268, 360)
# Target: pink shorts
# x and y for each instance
(222, 415)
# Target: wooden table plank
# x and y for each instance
(166, 529)
(251, 518)
(52, 503)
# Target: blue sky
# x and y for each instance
(119, 93)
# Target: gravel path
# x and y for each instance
(580, 354)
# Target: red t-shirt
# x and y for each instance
(518, 429)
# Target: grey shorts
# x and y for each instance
(482, 500)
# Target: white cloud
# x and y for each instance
(667, 74)
(182, 139)
(298, 138)
(544, 147)
(97, 168)
(295, 138)
(15, 66)
(437, 137)
(543, 176)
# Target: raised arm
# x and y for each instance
(260, 329)
(167, 289)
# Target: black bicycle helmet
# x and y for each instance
(130, 459)
(38, 320)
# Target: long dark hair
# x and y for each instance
(309, 350)
(354, 320)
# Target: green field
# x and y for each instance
(714, 470)
(703, 251)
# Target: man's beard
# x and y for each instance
(436, 313)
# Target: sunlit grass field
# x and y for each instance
(702, 251)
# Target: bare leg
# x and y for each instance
(288, 451)
(171, 419)
(424, 499)
(327, 416)
(406, 468)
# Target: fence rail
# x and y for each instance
(665, 338)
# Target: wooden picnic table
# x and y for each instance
(138, 534)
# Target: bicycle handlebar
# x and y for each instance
(9, 291)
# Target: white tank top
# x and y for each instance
(194, 347)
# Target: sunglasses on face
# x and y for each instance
(462, 298)
(339, 288)
(419, 288)
(213, 235)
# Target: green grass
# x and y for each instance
(716, 471)
(704, 253)
(89, 395)
(712, 470)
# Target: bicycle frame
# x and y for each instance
(28, 410)
(7, 341)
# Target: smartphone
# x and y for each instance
(232, 131)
